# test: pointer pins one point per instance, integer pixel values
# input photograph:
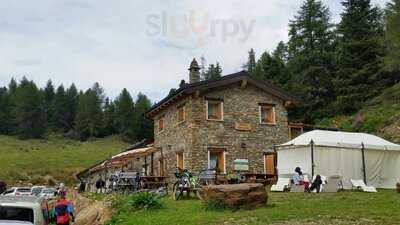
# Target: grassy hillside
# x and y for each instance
(55, 158)
(380, 115)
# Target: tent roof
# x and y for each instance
(342, 139)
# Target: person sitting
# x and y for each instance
(298, 178)
(316, 184)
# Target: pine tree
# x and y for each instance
(5, 111)
(281, 52)
(214, 71)
(143, 127)
(89, 115)
(124, 115)
(48, 103)
(60, 110)
(271, 69)
(110, 126)
(251, 62)
(29, 110)
(12, 87)
(392, 15)
(311, 59)
(12, 90)
(72, 105)
(359, 54)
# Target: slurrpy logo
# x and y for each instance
(194, 29)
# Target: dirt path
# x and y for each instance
(89, 212)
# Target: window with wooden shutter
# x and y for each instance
(179, 160)
(267, 114)
(160, 124)
(214, 110)
(180, 114)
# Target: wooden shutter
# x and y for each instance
(179, 160)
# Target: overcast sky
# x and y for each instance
(144, 46)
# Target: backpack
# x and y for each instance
(62, 215)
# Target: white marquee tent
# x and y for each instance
(351, 155)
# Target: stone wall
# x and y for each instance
(196, 135)
(176, 137)
(240, 105)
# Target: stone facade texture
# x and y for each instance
(197, 135)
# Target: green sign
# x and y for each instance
(241, 164)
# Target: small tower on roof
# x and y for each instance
(194, 72)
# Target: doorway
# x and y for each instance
(270, 163)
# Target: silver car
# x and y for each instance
(18, 191)
(10, 222)
(23, 210)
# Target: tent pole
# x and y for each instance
(363, 162)
(312, 158)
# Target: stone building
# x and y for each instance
(223, 124)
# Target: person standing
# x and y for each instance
(63, 211)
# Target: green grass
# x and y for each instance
(375, 115)
(282, 208)
(32, 160)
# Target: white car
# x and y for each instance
(18, 191)
(48, 193)
(23, 210)
(35, 190)
(10, 222)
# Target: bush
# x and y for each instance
(214, 205)
(144, 200)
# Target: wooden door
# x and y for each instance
(269, 163)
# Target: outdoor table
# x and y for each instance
(266, 178)
(153, 182)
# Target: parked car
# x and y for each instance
(24, 210)
(10, 222)
(48, 193)
(36, 190)
(18, 191)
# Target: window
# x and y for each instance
(16, 213)
(216, 160)
(215, 110)
(179, 160)
(267, 114)
(161, 124)
(180, 114)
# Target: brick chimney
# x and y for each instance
(194, 72)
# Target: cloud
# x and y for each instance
(142, 46)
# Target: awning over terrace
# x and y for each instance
(123, 158)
